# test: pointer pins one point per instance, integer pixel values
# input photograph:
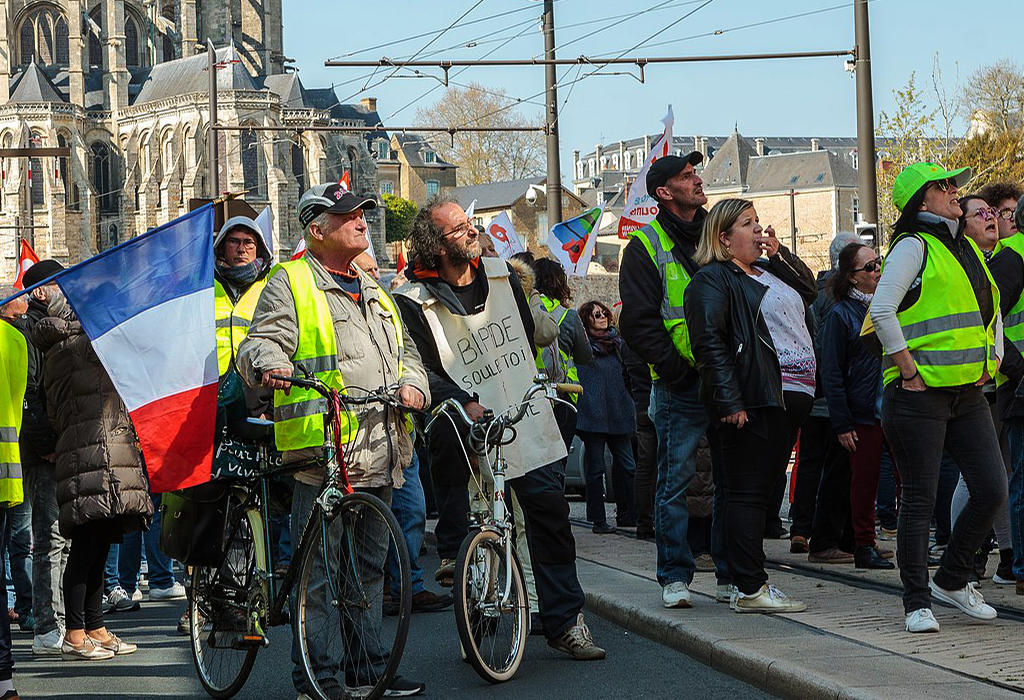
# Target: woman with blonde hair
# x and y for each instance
(746, 312)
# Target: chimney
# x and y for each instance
(815, 145)
(369, 104)
(703, 146)
(759, 145)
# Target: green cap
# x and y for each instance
(916, 176)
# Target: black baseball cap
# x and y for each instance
(41, 271)
(332, 197)
(667, 166)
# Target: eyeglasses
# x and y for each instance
(460, 230)
(986, 213)
(241, 243)
(945, 185)
(870, 266)
(1006, 214)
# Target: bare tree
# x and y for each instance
(485, 157)
(995, 94)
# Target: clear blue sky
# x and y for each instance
(806, 97)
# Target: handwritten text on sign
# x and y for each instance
(490, 350)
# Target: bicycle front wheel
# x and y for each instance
(491, 606)
(219, 612)
(346, 582)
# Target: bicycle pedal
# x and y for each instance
(253, 640)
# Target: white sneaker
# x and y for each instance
(1000, 581)
(49, 643)
(675, 595)
(724, 592)
(967, 599)
(137, 595)
(175, 592)
(922, 620)
(768, 599)
(119, 601)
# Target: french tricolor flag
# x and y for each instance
(147, 305)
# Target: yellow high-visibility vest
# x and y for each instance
(13, 382)
(233, 320)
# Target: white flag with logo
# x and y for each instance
(641, 207)
(503, 233)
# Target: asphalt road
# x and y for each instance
(162, 668)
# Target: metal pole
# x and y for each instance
(866, 178)
(211, 145)
(792, 221)
(379, 127)
(554, 178)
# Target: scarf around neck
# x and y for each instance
(604, 342)
(243, 275)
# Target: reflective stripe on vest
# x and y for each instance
(568, 364)
(233, 320)
(13, 380)
(299, 414)
(946, 335)
(674, 280)
(1013, 323)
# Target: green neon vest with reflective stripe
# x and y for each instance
(14, 376)
(299, 414)
(950, 342)
(233, 320)
(1013, 324)
(674, 279)
(568, 365)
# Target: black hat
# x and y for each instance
(667, 166)
(334, 198)
(41, 271)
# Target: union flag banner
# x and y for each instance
(641, 207)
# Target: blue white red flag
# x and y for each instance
(148, 308)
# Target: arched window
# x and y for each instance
(299, 166)
(43, 37)
(253, 167)
(628, 157)
(64, 171)
(38, 198)
(590, 167)
(353, 159)
(131, 42)
(615, 162)
(102, 180)
(95, 47)
(579, 170)
(604, 163)
(639, 157)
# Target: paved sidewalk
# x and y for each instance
(849, 644)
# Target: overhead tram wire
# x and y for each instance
(665, 5)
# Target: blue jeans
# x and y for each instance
(1015, 437)
(410, 508)
(110, 580)
(129, 562)
(18, 542)
(680, 419)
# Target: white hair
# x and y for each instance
(842, 239)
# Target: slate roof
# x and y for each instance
(807, 170)
(187, 75)
(728, 167)
(288, 87)
(413, 145)
(494, 195)
(33, 85)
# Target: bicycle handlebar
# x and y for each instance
(384, 395)
(535, 388)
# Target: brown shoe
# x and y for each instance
(830, 556)
(798, 544)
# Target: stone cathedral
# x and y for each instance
(124, 85)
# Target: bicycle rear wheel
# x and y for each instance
(342, 632)
(219, 608)
(492, 628)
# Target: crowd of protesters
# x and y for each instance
(900, 385)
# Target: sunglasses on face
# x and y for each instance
(598, 313)
(870, 266)
(944, 185)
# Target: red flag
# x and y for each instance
(401, 262)
(345, 182)
(26, 259)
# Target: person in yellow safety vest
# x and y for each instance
(13, 382)
(327, 316)
(573, 345)
(1007, 269)
(243, 262)
(936, 315)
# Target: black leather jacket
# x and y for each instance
(737, 361)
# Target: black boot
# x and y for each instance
(1004, 572)
(868, 558)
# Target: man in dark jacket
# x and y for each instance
(455, 300)
(38, 444)
(677, 411)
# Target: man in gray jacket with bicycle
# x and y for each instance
(323, 315)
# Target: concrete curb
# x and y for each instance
(775, 676)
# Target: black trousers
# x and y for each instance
(798, 407)
(833, 524)
(6, 658)
(83, 575)
(918, 426)
(646, 479)
(816, 439)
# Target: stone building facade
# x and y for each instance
(124, 85)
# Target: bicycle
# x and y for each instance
(491, 605)
(233, 603)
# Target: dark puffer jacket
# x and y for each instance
(99, 468)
